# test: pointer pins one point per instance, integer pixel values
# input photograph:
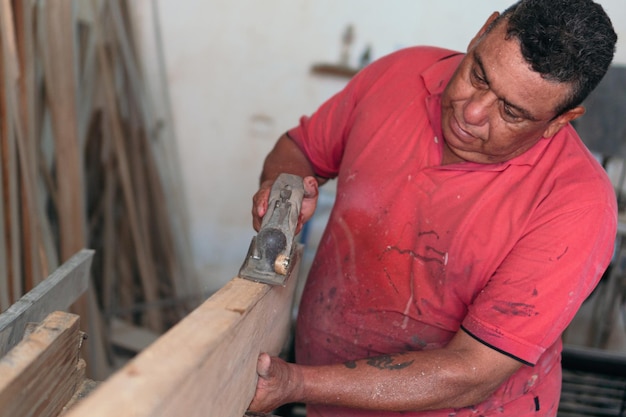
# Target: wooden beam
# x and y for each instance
(36, 267)
(57, 292)
(206, 364)
(8, 137)
(58, 50)
(146, 267)
(40, 375)
(146, 30)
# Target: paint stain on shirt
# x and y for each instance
(515, 309)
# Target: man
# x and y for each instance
(470, 224)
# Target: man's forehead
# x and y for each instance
(505, 96)
(512, 79)
(493, 50)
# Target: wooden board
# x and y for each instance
(57, 292)
(61, 88)
(40, 375)
(8, 145)
(206, 364)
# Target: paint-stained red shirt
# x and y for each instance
(414, 251)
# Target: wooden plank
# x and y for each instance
(5, 286)
(22, 99)
(10, 123)
(149, 181)
(40, 375)
(34, 263)
(84, 389)
(5, 289)
(61, 83)
(206, 364)
(146, 268)
(334, 69)
(146, 31)
(57, 292)
(57, 22)
(109, 239)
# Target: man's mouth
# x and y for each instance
(461, 133)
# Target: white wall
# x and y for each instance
(238, 74)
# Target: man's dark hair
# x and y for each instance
(570, 41)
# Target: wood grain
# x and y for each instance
(206, 364)
(57, 292)
(40, 375)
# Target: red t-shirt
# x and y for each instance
(414, 251)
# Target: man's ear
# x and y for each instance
(483, 30)
(562, 120)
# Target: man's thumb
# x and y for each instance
(263, 365)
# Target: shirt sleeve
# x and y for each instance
(543, 281)
(323, 135)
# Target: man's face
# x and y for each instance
(495, 106)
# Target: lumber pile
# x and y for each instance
(57, 292)
(79, 145)
(206, 364)
(41, 371)
(41, 375)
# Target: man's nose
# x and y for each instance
(477, 108)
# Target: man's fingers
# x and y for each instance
(310, 186)
(260, 202)
(263, 365)
(259, 207)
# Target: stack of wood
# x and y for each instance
(79, 145)
(44, 374)
(181, 374)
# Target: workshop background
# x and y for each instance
(138, 128)
(240, 73)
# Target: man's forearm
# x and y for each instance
(405, 382)
(464, 373)
(287, 157)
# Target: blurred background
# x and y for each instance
(239, 74)
(138, 129)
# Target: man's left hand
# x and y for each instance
(278, 384)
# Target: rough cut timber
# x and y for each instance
(81, 165)
(206, 364)
(40, 375)
(57, 292)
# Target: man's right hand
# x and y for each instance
(260, 202)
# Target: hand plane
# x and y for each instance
(270, 254)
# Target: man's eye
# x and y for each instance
(509, 114)
(477, 79)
